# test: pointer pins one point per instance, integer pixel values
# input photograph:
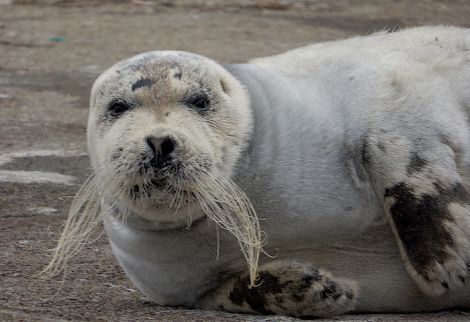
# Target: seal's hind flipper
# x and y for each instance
(428, 207)
(286, 288)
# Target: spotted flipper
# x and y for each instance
(428, 207)
(285, 288)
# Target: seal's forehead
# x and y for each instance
(165, 74)
(157, 66)
(161, 59)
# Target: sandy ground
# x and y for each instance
(49, 56)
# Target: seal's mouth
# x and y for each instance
(169, 186)
(161, 192)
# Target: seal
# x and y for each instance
(287, 184)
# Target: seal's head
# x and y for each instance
(165, 132)
(160, 123)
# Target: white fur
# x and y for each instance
(311, 107)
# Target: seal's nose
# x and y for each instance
(162, 148)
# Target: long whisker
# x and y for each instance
(219, 198)
(227, 205)
(84, 216)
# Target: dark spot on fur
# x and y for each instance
(329, 290)
(348, 208)
(417, 163)
(255, 297)
(381, 146)
(135, 192)
(145, 82)
(419, 221)
(445, 285)
(349, 294)
(462, 279)
(305, 283)
(236, 295)
(178, 72)
(115, 156)
(365, 154)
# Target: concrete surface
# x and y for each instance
(50, 52)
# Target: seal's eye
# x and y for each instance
(199, 102)
(117, 108)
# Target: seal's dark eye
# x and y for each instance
(117, 108)
(199, 102)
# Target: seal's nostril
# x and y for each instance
(167, 146)
(149, 141)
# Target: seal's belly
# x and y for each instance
(176, 267)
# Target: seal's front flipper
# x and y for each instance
(428, 208)
(285, 288)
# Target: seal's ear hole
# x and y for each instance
(224, 86)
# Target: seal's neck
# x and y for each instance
(262, 144)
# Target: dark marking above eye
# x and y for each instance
(144, 82)
(178, 75)
(177, 72)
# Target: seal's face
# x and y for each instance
(159, 123)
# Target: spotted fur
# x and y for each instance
(286, 288)
(144, 82)
(429, 210)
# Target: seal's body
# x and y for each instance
(355, 156)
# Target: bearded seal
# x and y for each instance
(340, 170)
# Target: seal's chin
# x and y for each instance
(162, 214)
(164, 191)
